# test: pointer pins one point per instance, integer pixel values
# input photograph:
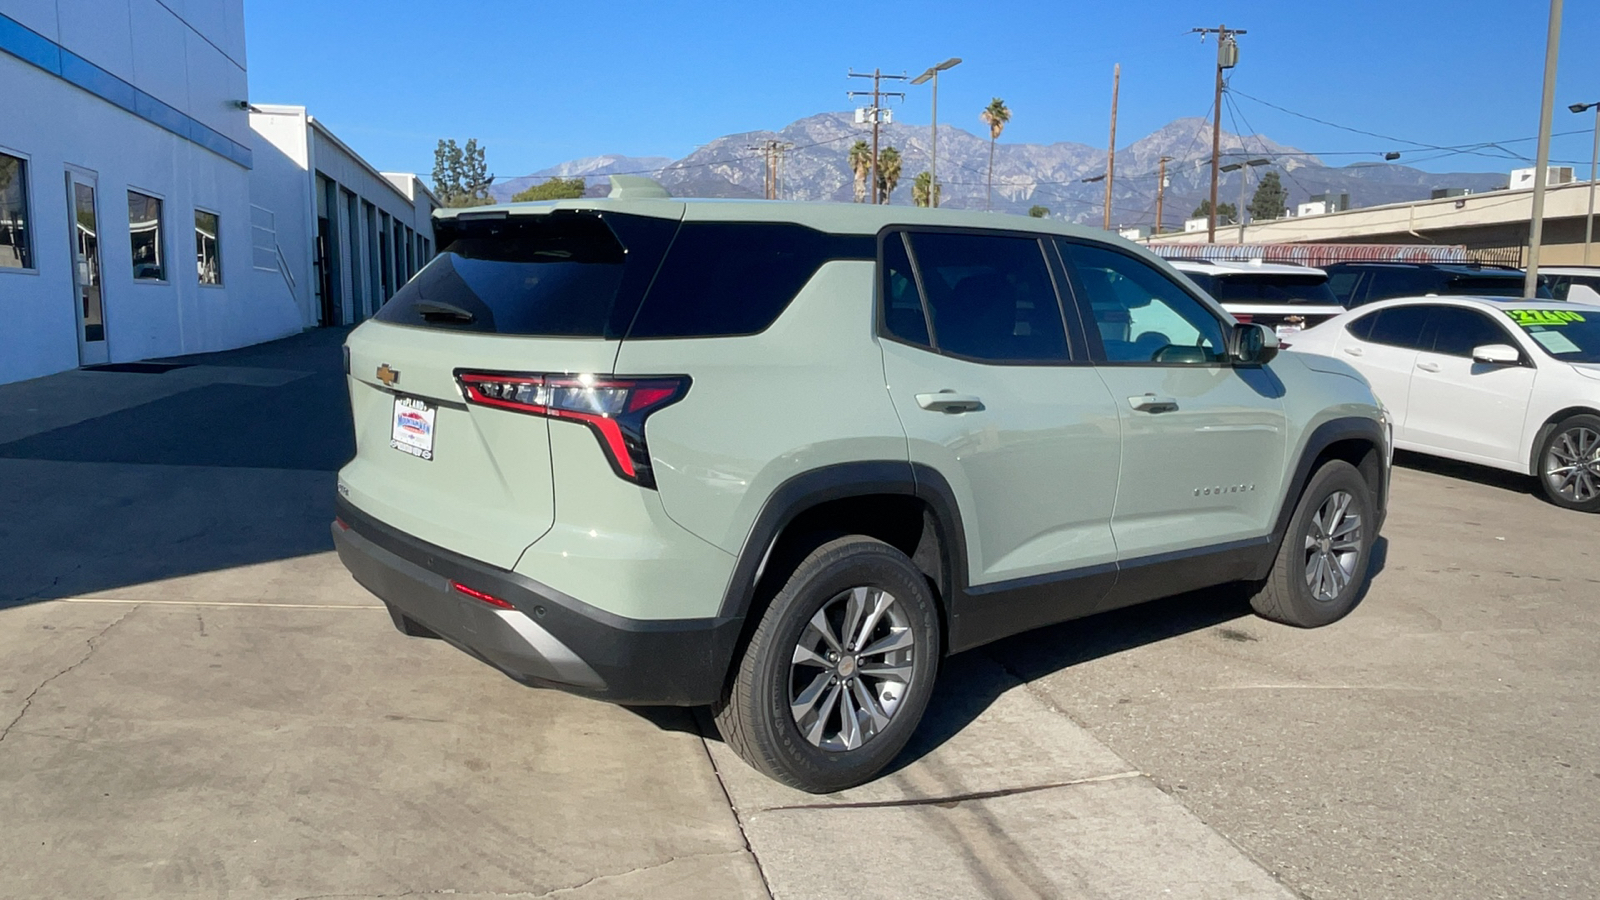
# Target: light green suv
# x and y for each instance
(781, 459)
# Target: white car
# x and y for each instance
(1283, 297)
(1513, 384)
(1579, 284)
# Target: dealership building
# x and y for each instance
(142, 216)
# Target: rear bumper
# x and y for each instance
(549, 639)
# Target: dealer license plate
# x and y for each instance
(413, 427)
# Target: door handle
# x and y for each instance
(1353, 351)
(1428, 366)
(948, 401)
(1150, 403)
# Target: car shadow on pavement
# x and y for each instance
(1497, 478)
(958, 700)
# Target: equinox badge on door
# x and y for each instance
(387, 375)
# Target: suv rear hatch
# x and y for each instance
(526, 293)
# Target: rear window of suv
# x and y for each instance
(565, 274)
(1266, 288)
(586, 274)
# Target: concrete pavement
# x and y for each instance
(197, 701)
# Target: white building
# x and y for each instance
(124, 184)
(330, 234)
(140, 214)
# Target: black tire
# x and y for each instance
(1288, 595)
(1568, 464)
(755, 717)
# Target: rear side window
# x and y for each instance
(1495, 286)
(1399, 326)
(1343, 283)
(991, 297)
(722, 279)
(557, 275)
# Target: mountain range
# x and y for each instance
(1050, 175)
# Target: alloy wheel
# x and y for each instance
(851, 668)
(1332, 546)
(1572, 464)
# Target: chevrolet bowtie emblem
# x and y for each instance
(387, 375)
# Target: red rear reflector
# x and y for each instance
(343, 525)
(480, 595)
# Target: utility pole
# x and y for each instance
(1541, 167)
(1161, 188)
(876, 111)
(772, 151)
(1227, 58)
(1111, 148)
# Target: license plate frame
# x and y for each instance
(412, 427)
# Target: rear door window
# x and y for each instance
(990, 296)
(564, 274)
(1399, 326)
(903, 316)
(722, 279)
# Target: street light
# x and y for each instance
(1588, 222)
(933, 165)
(1244, 180)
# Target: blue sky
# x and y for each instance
(539, 83)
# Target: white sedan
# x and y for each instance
(1513, 384)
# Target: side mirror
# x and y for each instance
(1254, 345)
(1496, 355)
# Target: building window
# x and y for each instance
(15, 247)
(205, 247)
(144, 227)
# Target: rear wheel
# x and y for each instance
(1322, 563)
(1569, 464)
(839, 670)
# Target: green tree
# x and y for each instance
(1038, 212)
(460, 176)
(922, 190)
(1227, 213)
(995, 115)
(861, 165)
(1269, 198)
(556, 188)
(889, 165)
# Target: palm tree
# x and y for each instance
(995, 115)
(861, 165)
(922, 188)
(888, 173)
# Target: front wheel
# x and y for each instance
(1321, 565)
(839, 670)
(1569, 464)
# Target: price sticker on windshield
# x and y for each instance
(1527, 317)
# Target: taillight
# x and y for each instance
(1244, 318)
(614, 408)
